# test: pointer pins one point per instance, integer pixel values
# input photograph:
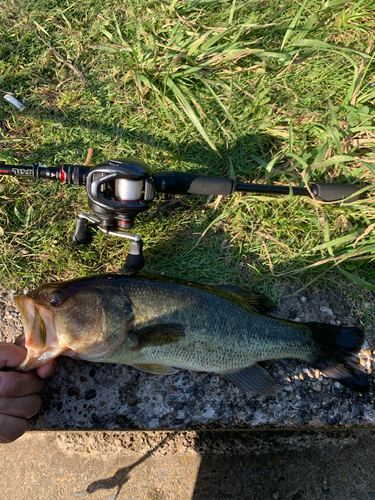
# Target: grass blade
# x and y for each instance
(41, 28)
(334, 3)
(333, 161)
(338, 241)
(189, 112)
(209, 88)
(292, 25)
(358, 281)
(318, 44)
(231, 13)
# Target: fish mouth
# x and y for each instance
(39, 336)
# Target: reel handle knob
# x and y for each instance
(135, 259)
(82, 235)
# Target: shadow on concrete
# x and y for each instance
(272, 465)
(121, 476)
(303, 465)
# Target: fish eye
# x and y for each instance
(57, 298)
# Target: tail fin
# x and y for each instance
(336, 358)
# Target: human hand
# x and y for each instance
(18, 392)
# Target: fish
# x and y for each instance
(161, 325)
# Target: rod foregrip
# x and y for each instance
(334, 192)
(185, 183)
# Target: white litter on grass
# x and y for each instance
(15, 102)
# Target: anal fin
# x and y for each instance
(254, 379)
(155, 368)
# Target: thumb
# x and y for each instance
(11, 355)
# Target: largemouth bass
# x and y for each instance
(160, 325)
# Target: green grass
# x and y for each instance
(267, 91)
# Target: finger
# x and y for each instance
(24, 407)
(11, 428)
(47, 370)
(15, 384)
(11, 355)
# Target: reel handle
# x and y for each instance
(82, 235)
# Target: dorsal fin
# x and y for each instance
(254, 300)
(251, 300)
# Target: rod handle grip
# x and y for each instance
(334, 192)
(185, 183)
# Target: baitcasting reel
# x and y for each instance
(119, 189)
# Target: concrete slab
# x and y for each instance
(251, 465)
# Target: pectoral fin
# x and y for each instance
(155, 369)
(254, 379)
(156, 335)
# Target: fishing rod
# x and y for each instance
(119, 189)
